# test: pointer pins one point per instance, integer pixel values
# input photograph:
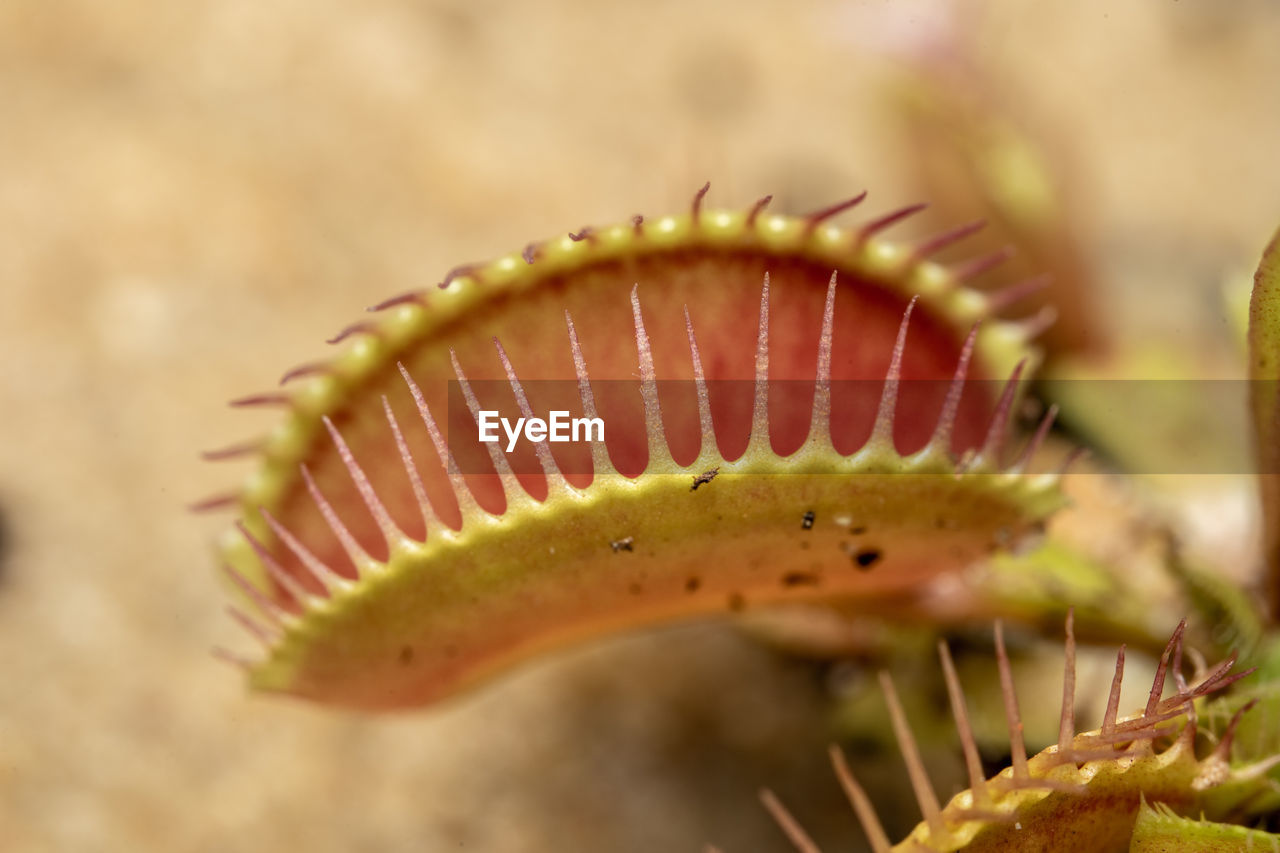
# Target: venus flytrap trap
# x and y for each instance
(385, 574)
(1084, 792)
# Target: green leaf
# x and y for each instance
(1264, 371)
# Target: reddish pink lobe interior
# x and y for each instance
(722, 292)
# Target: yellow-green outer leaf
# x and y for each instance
(1264, 371)
(1161, 831)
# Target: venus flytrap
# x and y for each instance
(1085, 792)
(385, 571)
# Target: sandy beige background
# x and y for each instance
(193, 195)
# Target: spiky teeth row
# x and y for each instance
(1084, 792)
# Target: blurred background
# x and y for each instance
(194, 195)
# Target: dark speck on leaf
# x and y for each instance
(623, 544)
(704, 478)
(693, 584)
(857, 531)
(799, 579)
(807, 522)
(867, 557)
(635, 589)
(737, 602)
(406, 655)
